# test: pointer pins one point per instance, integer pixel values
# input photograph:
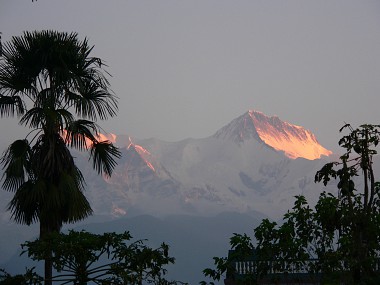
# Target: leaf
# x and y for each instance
(11, 105)
(15, 162)
(344, 127)
(104, 155)
(80, 134)
(325, 173)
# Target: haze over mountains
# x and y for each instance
(255, 163)
(249, 169)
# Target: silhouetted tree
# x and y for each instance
(357, 219)
(29, 278)
(338, 238)
(49, 80)
(109, 258)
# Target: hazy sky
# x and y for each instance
(186, 68)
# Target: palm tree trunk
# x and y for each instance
(48, 270)
(48, 266)
(46, 229)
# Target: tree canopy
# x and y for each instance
(109, 258)
(337, 239)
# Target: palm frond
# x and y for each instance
(20, 67)
(64, 200)
(15, 162)
(51, 157)
(35, 118)
(25, 204)
(45, 114)
(11, 105)
(72, 180)
(46, 98)
(76, 206)
(103, 155)
(80, 134)
(94, 102)
(63, 117)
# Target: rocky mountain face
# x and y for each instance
(255, 163)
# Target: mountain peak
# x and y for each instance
(239, 130)
(143, 153)
(295, 141)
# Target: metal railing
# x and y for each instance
(286, 271)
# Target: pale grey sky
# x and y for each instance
(186, 68)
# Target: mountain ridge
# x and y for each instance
(194, 180)
(233, 170)
(295, 141)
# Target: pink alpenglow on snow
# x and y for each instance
(145, 154)
(294, 141)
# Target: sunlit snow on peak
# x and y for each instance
(145, 154)
(293, 140)
(88, 143)
(107, 137)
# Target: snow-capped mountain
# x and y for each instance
(249, 169)
(294, 141)
(255, 163)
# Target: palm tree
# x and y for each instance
(49, 80)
